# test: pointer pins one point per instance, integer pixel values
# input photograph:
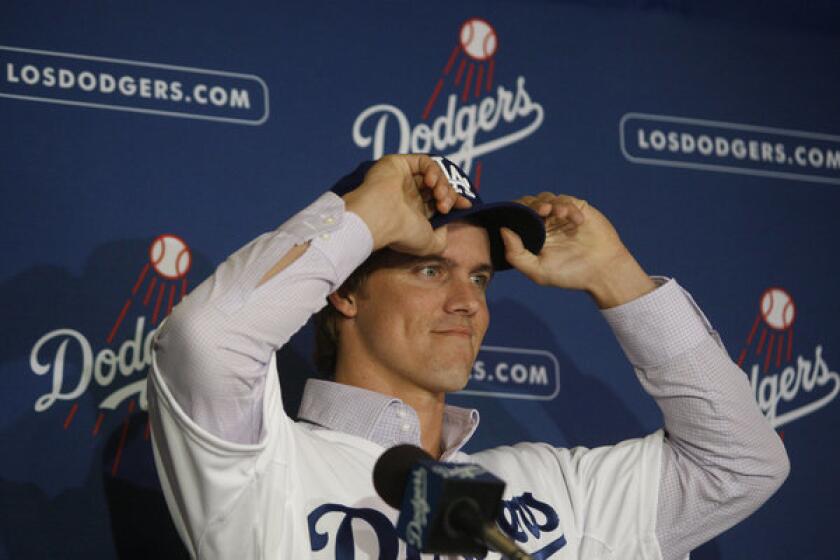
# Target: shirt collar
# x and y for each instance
(379, 418)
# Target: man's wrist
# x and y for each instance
(622, 281)
(376, 221)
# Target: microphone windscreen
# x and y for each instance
(391, 472)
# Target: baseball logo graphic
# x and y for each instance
(162, 282)
(771, 336)
(786, 387)
(478, 39)
(159, 285)
(777, 309)
(470, 64)
(170, 256)
(470, 67)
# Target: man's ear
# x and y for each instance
(344, 302)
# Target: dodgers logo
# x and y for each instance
(478, 117)
(161, 282)
(460, 183)
(787, 387)
(524, 518)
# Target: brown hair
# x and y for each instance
(326, 320)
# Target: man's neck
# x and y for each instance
(428, 406)
(430, 414)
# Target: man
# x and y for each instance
(242, 480)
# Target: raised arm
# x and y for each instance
(213, 352)
(721, 459)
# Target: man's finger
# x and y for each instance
(518, 256)
(418, 164)
(431, 176)
(463, 202)
(543, 208)
(578, 203)
(569, 212)
(447, 196)
(443, 196)
(436, 244)
(439, 243)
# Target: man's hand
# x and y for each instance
(582, 251)
(396, 199)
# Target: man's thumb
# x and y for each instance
(438, 244)
(516, 253)
(513, 243)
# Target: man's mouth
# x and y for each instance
(456, 331)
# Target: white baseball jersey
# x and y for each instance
(288, 490)
(307, 492)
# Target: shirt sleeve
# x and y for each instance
(721, 459)
(213, 352)
(214, 396)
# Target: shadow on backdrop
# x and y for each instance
(79, 480)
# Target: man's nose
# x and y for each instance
(464, 297)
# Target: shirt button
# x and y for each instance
(405, 427)
(325, 236)
(329, 220)
(401, 413)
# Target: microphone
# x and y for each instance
(448, 508)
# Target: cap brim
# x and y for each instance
(490, 215)
(494, 215)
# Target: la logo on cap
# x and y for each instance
(459, 181)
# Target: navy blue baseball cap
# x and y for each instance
(490, 215)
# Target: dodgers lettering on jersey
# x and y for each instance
(523, 518)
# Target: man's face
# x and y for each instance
(421, 320)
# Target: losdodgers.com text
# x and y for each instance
(742, 149)
(126, 86)
(513, 373)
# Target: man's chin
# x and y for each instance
(450, 370)
(455, 380)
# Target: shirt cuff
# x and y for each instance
(658, 326)
(322, 216)
(346, 247)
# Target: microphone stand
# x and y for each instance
(464, 516)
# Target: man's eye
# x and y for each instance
(481, 280)
(429, 271)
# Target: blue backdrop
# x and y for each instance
(709, 134)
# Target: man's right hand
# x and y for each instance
(396, 199)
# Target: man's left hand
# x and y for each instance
(582, 251)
